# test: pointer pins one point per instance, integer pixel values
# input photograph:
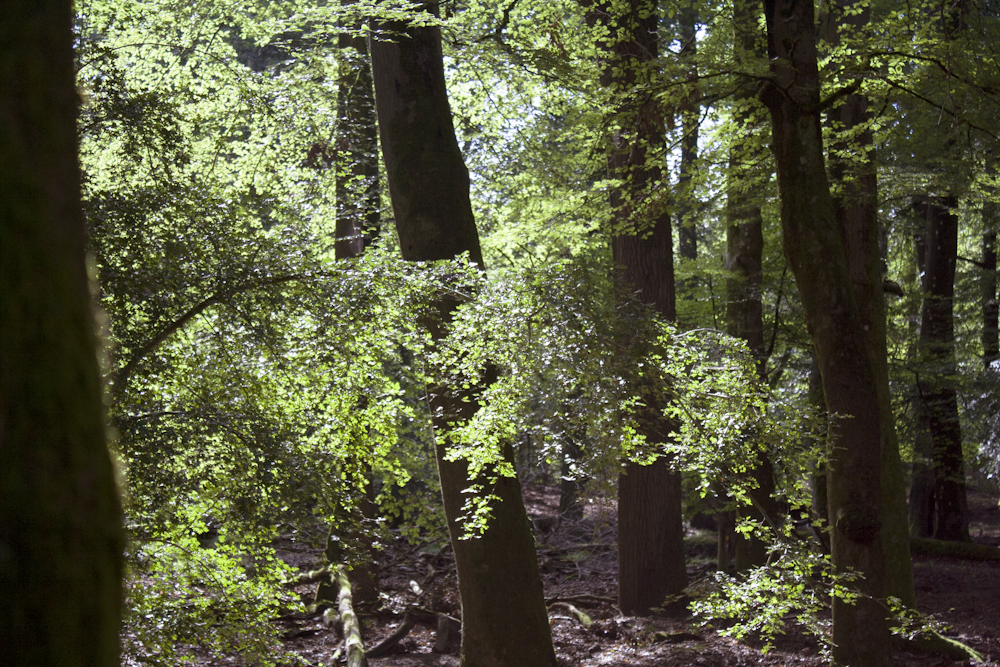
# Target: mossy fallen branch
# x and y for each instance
(922, 546)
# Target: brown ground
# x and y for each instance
(964, 594)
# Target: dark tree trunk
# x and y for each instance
(650, 525)
(937, 495)
(991, 308)
(504, 619)
(570, 508)
(857, 216)
(744, 258)
(687, 227)
(816, 252)
(61, 538)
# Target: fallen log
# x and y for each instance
(580, 616)
(923, 546)
(353, 645)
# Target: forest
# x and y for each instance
(499, 333)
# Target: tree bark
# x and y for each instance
(816, 252)
(357, 226)
(61, 538)
(650, 525)
(857, 215)
(504, 620)
(938, 505)
(744, 258)
(991, 307)
(687, 227)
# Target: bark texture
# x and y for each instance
(504, 620)
(857, 216)
(937, 494)
(61, 538)
(650, 524)
(816, 252)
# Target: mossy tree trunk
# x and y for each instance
(857, 216)
(814, 246)
(650, 523)
(504, 619)
(61, 538)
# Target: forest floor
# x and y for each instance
(578, 566)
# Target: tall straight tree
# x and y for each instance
(856, 210)
(61, 538)
(991, 307)
(357, 225)
(744, 257)
(650, 529)
(504, 620)
(815, 249)
(937, 495)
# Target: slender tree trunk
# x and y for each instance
(357, 222)
(504, 619)
(938, 488)
(816, 252)
(991, 308)
(690, 124)
(744, 258)
(857, 216)
(61, 538)
(356, 144)
(650, 525)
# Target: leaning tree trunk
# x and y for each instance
(937, 497)
(61, 537)
(857, 215)
(814, 246)
(504, 619)
(650, 525)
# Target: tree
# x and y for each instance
(650, 531)
(504, 620)
(744, 258)
(937, 495)
(853, 172)
(60, 521)
(815, 248)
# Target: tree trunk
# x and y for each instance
(504, 620)
(938, 489)
(744, 258)
(815, 251)
(357, 225)
(650, 523)
(991, 308)
(687, 227)
(857, 216)
(61, 538)
(356, 146)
